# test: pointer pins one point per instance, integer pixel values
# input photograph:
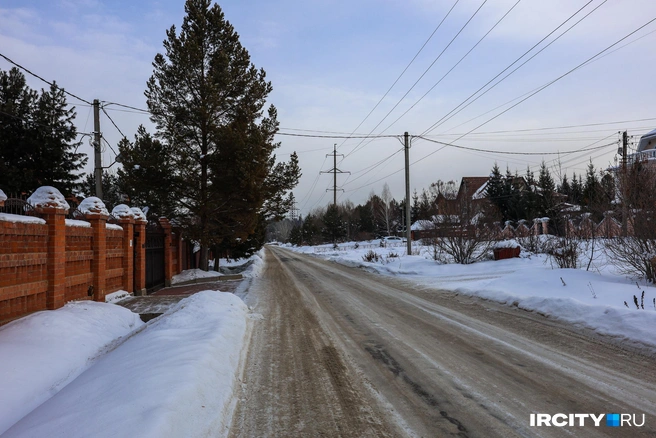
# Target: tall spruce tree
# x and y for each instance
(37, 138)
(207, 99)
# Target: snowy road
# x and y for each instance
(341, 352)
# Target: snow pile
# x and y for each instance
(45, 351)
(15, 218)
(592, 299)
(138, 214)
(122, 211)
(77, 223)
(256, 268)
(193, 274)
(48, 197)
(511, 243)
(3, 197)
(93, 205)
(175, 378)
(113, 227)
(117, 296)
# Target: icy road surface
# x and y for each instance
(342, 352)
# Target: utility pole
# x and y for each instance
(407, 193)
(96, 148)
(625, 207)
(334, 171)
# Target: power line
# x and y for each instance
(334, 136)
(113, 123)
(52, 84)
(127, 106)
(404, 70)
(510, 152)
(460, 107)
(560, 77)
(452, 68)
(422, 75)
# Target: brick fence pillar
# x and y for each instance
(140, 257)
(168, 251)
(56, 264)
(128, 253)
(99, 263)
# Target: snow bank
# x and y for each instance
(47, 196)
(256, 268)
(193, 274)
(117, 296)
(44, 351)
(175, 378)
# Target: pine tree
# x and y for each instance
(207, 99)
(147, 176)
(37, 138)
(496, 192)
(592, 188)
(334, 228)
(565, 188)
(547, 188)
(576, 193)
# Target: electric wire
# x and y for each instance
(52, 84)
(452, 68)
(467, 101)
(404, 70)
(420, 77)
(549, 83)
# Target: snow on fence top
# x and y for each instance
(47, 196)
(6, 217)
(93, 205)
(138, 214)
(122, 211)
(3, 197)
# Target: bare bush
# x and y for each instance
(635, 254)
(372, 257)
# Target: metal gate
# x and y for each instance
(154, 257)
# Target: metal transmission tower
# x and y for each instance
(334, 171)
(293, 212)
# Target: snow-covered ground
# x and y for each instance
(253, 269)
(593, 299)
(94, 369)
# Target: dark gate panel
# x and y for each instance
(154, 257)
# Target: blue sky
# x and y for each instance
(330, 62)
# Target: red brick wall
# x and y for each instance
(114, 261)
(23, 273)
(79, 254)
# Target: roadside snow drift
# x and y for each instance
(173, 379)
(43, 352)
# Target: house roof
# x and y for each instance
(469, 185)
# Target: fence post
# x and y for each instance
(140, 257)
(168, 248)
(56, 263)
(128, 253)
(99, 263)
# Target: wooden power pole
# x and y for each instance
(625, 207)
(406, 144)
(97, 162)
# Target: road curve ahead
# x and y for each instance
(342, 352)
